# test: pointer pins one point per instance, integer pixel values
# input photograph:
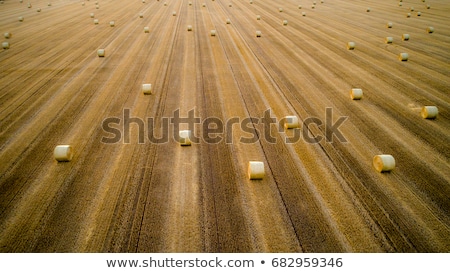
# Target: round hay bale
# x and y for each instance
(303, 13)
(258, 33)
(251, 2)
(280, 9)
(228, 21)
(351, 45)
(21, 19)
(141, 15)
(430, 29)
(7, 35)
(213, 32)
(388, 40)
(389, 25)
(92, 15)
(258, 17)
(38, 10)
(147, 88)
(189, 28)
(419, 13)
(190, 3)
(428, 6)
(185, 137)
(411, 8)
(174, 13)
(405, 37)
(29, 5)
(408, 15)
(82, 3)
(299, 6)
(313, 6)
(368, 10)
(49, 4)
(63, 153)
(95, 21)
(285, 22)
(400, 4)
(383, 163)
(291, 122)
(5, 45)
(146, 29)
(165, 3)
(429, 112)
(143, 1)
(255, 170)
(230, 5)
(203, 5)
(101, 52)
(97, 6)
(356, 93)
(112, 23)
(403, 57)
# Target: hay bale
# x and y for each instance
(146, 29)
(428, 6)
(92, 15)
(280, 9)
(368, 10)
(63, 153)
(429, 112)
(147, 88)
(405, 37)
(174, 13)
(189, 28)
(258, 17)
(411, 8)
(258, 33)
(230, 5)
(49, 4)
(7, 35)
(141, 15)
(403, 57)
(285, 22)
(228, 21)
(213, 32)
(112, 23)
(303, 13)
(408, 15)
(299, 6)
(38, 10)
(430, 29)
(5, 45)
(313, 6)
(351, 45)
(389, 25)
(419, 13)
(400, 4)
(203, 5)
(356, 93)
(95, 21)
(291, 122)
(185, 137)
(388, 40)
(383, 163)
(21, 19)
(255, 170)
(101, 52)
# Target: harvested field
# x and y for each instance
(136, 194)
